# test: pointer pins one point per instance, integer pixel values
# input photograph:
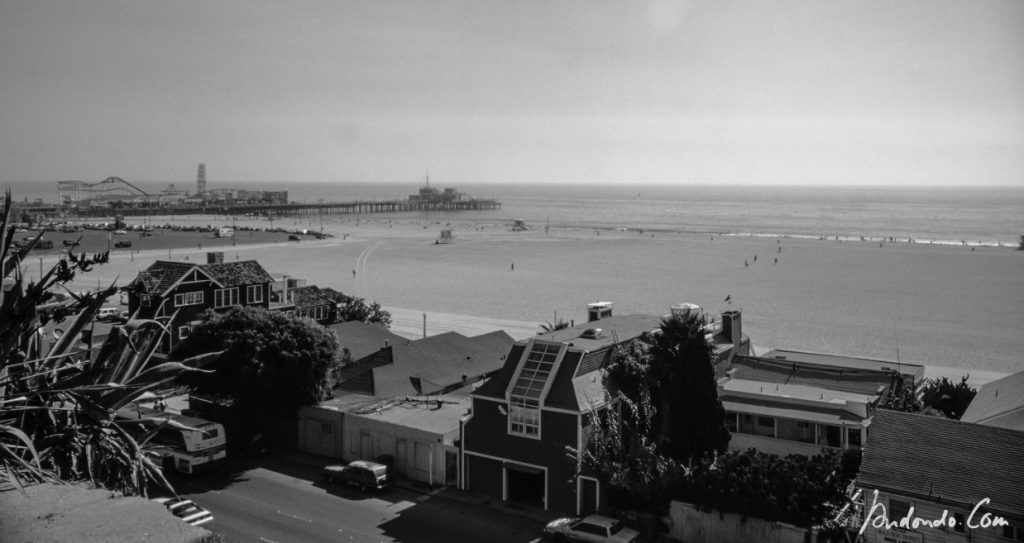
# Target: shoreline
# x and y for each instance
(941, 306)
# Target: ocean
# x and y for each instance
(989, 216)
(944, 305)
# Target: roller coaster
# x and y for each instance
(75, 193)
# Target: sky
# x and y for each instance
(827, 92)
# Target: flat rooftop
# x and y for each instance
(621, 327)
(843, 361)
(796, 392)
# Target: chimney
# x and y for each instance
(215, 257)
(732, 327)
(599, 310)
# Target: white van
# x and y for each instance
(108, 313)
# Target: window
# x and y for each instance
(525, 397)
(853, 438)
(254, 294)
(524, 420)
(829, 435)
(796, 430)
(746, 423)
(897, 509)
(184, 331)
(1013, 533)
(188, 298)
(765, 426)
(145, 300)
(961, 523)
(224, 297)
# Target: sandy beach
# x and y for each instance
(943, 306)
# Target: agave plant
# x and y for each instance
(58, 405)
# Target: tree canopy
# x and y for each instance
(354, 308)
(691, 415)
(667, 413)
(273, 364)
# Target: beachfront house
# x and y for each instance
(792, 402)
(999, 403)
(931, 468)
(184, 290)
(305, 301)
(544, 399)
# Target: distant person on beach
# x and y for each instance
(746, 264)
(513, 266)
(353, 274)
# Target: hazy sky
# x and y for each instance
(819, 91)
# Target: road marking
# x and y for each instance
(267, 540)
(296, 517)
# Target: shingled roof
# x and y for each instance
(310, 296)
(162, 275)
(234, 274)
(438, 361)
(945, 461)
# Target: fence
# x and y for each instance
(692, 525)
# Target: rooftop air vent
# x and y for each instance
(591, 333)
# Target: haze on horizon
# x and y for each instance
(658, 92)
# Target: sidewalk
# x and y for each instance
(446, 492)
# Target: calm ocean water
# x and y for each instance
(976, 216)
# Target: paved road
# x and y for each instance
(279, 502)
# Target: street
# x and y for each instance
(276, 501)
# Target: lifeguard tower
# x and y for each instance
(518, 225)
(447, 236)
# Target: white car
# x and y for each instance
(592, 528)
(186, 510)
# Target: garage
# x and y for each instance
(524, 484)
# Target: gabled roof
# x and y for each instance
(999, 403)
(234, 274)
(163, 275)
(791, 372)
(577, 384)
(363, 339)
(438, 361)
(945, 461)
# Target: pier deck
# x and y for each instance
(319, 208)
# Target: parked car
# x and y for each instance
(362, 474)
(293, 238)
(122, 244)
(186, 510)
(108, 313)
(70, 242)
(120, 232)
(592, 528)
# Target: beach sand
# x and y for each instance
(946, 307)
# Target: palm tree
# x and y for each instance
(692, 418)
(58, 404)
(548, 327)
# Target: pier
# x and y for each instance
(267, 209)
